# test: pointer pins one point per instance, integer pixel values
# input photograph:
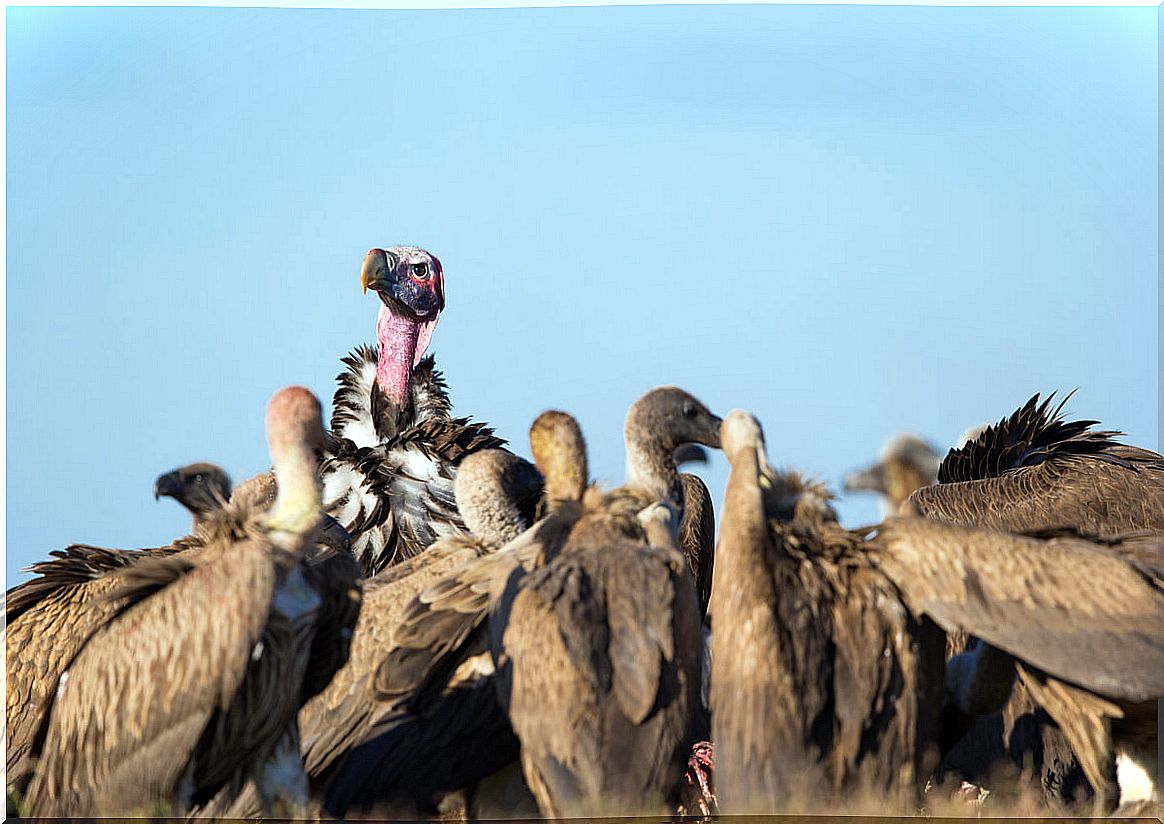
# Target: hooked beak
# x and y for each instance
(374, 272)
(421, 299)
(168, 485)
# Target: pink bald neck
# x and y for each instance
(402, 342)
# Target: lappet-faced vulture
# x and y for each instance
(194, 683)
(395, 445)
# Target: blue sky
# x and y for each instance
(848, 220)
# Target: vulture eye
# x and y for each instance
(198, 478)
(420, 271)
(689, 410)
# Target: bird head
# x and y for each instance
(907, 462)
(674, 417)
(410, 283)
(200, 487)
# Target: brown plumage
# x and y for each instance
(1021, 742)
(697, 536)
(439, 666)
(598, 651)
(194, 683)
(497, 492)
(1030, 472)
(823, 683)
(598, 658)
(445, 629)
(1081, 617)
(1035, 470)
(49, 617)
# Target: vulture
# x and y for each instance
(51, 615)
(497, 493)
(1035, 470)
(823, 685)
(48, 618)
(1031, 472)
(598, 667)
(438, 670)
(1021, 733)
(193, 683)
(839, 686)
(394, 444)
(1077, 619)
(447, 627)
(907, 462)
(598, 651)
(200, 487)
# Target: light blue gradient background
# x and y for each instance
(849, 220)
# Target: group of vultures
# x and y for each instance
(404, 619)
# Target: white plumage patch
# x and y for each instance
(1137, 781)
(416, 465)
(362, 431)
(345, 497)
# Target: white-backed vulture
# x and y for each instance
(50, 616)
(193, 684)
(1020, 744)
(444, 629)
(598, 651)
(907, 462)
(824, 687)
(199, 487)
(438, 671)
(1035, 471)
(598, 660)
(497, 493)
(1080, 616)
(394, 444)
